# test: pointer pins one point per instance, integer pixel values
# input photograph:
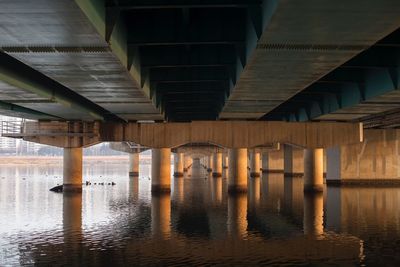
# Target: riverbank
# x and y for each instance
(34, 160)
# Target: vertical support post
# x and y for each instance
(134, 164)
(225, 161)
(287, 160)
(237, 177)
(264, 163)
(217, 171)
(178, 164)
(333, 164)
(255, 164)
(313, 170)
(161, 170)
(210, 166)
(72, 170)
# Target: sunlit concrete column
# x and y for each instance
(225, 160)
(161, 170)
(72, 170)
(217, 171)
(178, 164)
(313, 207)
(313, 170)
(187, 163)
(287, 160)
(237, 177)
(161, 215)
(255, 164)
(216, 192)
(210, 165)
(264, 164)
(237, 215)
(134, 164)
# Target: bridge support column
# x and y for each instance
(313, 170)
(188, 161)
(255, 164)
(134, 164)
(287, 160)
(264, 163)
(210, 165)
(217, 171)
(225, 161)
(178, 164)
(161, 170)
(72, 170)
(237, 177)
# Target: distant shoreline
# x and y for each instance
(33, 160)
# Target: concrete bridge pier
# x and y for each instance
(210, 165)
(188, 161)
(72, 170)
(237, 177)
(264, 163)
(161, 170)
(313, 170)
(178, 164)
(255, 164)
(225, 161)
(217, 170)
(134, 164)
(287, 160)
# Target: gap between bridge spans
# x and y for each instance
(228, 134)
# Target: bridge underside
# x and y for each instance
(181, 61)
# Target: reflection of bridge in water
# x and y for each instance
(200, 217)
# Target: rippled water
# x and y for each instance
(197, 224)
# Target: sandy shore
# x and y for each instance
(11, 160)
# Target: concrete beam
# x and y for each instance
(228, 134)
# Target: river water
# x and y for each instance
(197, 224)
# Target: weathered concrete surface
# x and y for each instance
(376, 160)
(161, 170)
(72, 170)
(228, 134)
(276, 165)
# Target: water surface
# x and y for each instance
(197, 224)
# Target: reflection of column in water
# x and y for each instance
(216, 192)
(161, 215)
(179, 189)
(313, 214)
(134, 187)
(287, 193)
(254, 191)
(237, 214)
(72, 219)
